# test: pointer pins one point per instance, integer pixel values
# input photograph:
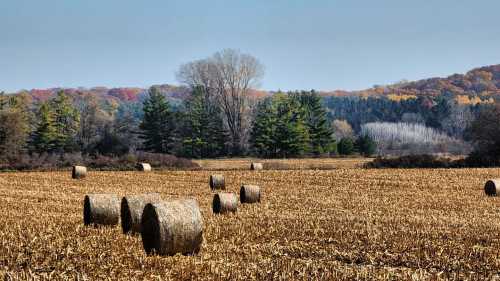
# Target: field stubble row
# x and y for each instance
(337, 224)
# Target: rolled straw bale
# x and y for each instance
(131, 210)
(256, 166)
(224, 203)
(144, 167)
(101, 209)
(492, 187)
(217, 182)
(249, 193)
(79, 172)
(172, 227)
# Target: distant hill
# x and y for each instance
(478, 85)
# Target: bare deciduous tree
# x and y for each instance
(226, 77)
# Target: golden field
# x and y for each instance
(342, 224)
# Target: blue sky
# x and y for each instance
(325, 45)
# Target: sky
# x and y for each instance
(307, 44)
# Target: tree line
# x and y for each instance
(283, 125)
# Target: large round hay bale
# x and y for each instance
(217, 182)
(256, 166)
(172, 227)
(101, 209)
(249, 193)
(224, 203)
(79, 172)
(131, 210)
(492, 187)
(143, 167)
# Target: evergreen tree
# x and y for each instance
(366, 145)
(279, 129)
(45, 134)
(66, 120)
(157, 126)
(292, 136)
(345, 146)
(262, 136)
(203, 133)
(320, 132)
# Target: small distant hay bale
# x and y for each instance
(217, 182)
(79, 172)
(256, 166)
(101, 209)
(131, 210)
(143, 167)
(491, 188)
(224, 203)
(249, 193)
(172, 227)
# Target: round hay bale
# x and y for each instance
(79, 172)
(491, 188)
(143, 167)
(249, 193)
(101, 209)
(256, 166)
(172, 227)
(217, 182)
(224, 203)
(131, 210)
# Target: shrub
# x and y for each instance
(366, 146)
(46, 161)
(415, 161)
(345, 146)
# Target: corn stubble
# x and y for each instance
(333, 225)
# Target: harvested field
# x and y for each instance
(283, 164)
(311, 224)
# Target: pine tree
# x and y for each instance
(203, 133)
(262, 136)
(320, 132)
(66, 120)
(345, 146)
(45, 134)
(365, 145)
(157, 126)
(292, 136)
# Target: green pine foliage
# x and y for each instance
(203, 134)
(320, 132)
(292, 124)
(157, 126)
(365, 145)
(346, 146)
(279, 129)
(45, 134)
(66, 122)
(263, 132)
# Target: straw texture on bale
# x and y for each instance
(224, 203)
(101, 209)
(217, 182)
(256, 166)
(131, 210)
(172, 227)
(492, 187)
(79, 172)
(249, 193)
(144, 167)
